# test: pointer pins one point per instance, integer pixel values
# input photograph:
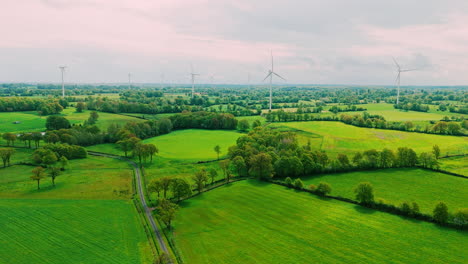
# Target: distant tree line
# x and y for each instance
(42, 106)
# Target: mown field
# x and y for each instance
(194, 144)
(336, 137)
(395, 186)
(455, 164)
(252, 222)
(90, 178)
(71, 231)
(31, 121)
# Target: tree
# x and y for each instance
(163, 258)
(57, 123)
(9, 138)
(364, 193)
(343, 159)
(44, 157)
(243, 125)
(440, 213)
(5, 155)
(155, 185)
(217, 149)
(63, 162)
(405, 208)
(224, 165)
(80, 106)
(93, 118)
(180, 188)
(36, 137)
(128, 144)
(453, 128)
(239, 165)
(436, 151)
(415, 208)
(54, 172)
(167, 211)
(428, 160)
(387, 158)
(298, 183)
(260, 166)
(38, 175)
(165, 184)
(323, 188)
(200, 178)
(256, 123)
(152, 149)
(213, 174)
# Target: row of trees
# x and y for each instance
(5, 155)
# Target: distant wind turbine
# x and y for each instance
(62, 69)
(270, 74)
(129, 80)
(193, 80)
(162, 80)
(399, 70)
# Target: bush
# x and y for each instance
(440, 213)
(460, 217)
(323, 188)
(298, 183)
(312, 187)
(364, 193)
(288, 181)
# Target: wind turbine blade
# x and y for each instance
(271, 52)
(191, 68)
(408, 70)
(267, 76)
(278, 76)
(396, 63)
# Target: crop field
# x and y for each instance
(399, 185)
(455, 164)
(71, 231)
(104, 120)
(252, 222)
(194, 144)
(336, 137)
(90, 178)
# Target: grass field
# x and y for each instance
(31, 121)
(90, 178)
(455, 164)
(71, 231)
(398, 185)
(336, 137)
(252, 222)
(194, 144)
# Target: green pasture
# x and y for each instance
(90, 178)
(455, 164)
(194, 144)
(395, 186)
(336, 137)
(253, 222)
(71, 231)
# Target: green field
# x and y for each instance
(455, 164)
(31, 121)
(71, 231)
(194, 144)
(252, 222)
(398, 185)
(90, 178)
(336, 137)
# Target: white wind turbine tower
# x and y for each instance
(129, 80)
(162, 80)
(270, 74)
(399, 70)
(193, 79)
(62, 69)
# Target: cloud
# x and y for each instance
(330, 41)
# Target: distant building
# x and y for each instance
(17, 122)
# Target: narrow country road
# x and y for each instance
(139, 183)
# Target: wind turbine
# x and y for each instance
(270, 74)
(399, 70)
(62, 69)
(193, 79)
(162, 80)
(129, 80)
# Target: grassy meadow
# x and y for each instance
(399, 185)
(71, 231)
(194, 144)
(253, 222)
(336, 137)
(455, 164)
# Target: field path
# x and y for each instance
(137, 170)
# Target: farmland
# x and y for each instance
(71, 231)
(455, 164)
(336, 137)
(399, 185)
(267, 220)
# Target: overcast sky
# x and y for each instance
(319, 42)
